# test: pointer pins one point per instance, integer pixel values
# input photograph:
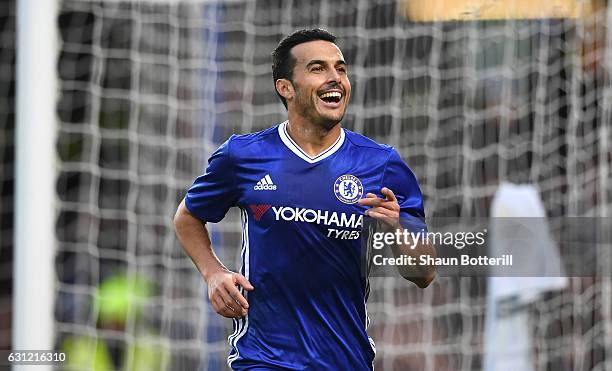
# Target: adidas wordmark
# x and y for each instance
(265, 184)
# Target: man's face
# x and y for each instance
(320, 81)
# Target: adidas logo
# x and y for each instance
(265, 184)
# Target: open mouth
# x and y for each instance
(331, 97)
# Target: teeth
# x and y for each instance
(331, 94)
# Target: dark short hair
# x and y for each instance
(282, 59)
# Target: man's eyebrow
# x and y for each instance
(315, 61)
(319, 61)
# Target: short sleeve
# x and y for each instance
(215, 191)
(400, 179)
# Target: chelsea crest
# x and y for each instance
(348, 188)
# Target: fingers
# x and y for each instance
(389, 218)
(220, 307)
(236, 298)
(385, 209)
(389, 203)
(242, 281)
(224, 295)
(381, 212)
(390, 196)
(372, 200)
(226, 306)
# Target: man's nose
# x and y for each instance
(334, 75)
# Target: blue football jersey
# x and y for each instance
(301, 248)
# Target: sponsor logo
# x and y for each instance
(348, 189)
(329, 219)
(300, 214)
(322, 217)
(265, 184)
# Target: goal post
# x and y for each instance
(36, 171)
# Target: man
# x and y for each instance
(303, 187)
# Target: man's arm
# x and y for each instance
(224, 296)
(421, 275)
(387, 212)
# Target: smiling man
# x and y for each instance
(303, 187)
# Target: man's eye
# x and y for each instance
(317, 68)
(341, 69)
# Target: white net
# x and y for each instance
(150, 89)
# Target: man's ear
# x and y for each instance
(284, 87)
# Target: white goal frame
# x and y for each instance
(36, 131)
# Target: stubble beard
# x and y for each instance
(307, 108)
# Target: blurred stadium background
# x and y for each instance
(471, 93)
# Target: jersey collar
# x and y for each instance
(293, 147)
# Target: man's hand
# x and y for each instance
(224, 295)
(387, 213)
(385, 210)
(222, 291)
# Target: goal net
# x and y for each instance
(148, 89)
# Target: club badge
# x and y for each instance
(348, 189)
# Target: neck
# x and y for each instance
(312, 138)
